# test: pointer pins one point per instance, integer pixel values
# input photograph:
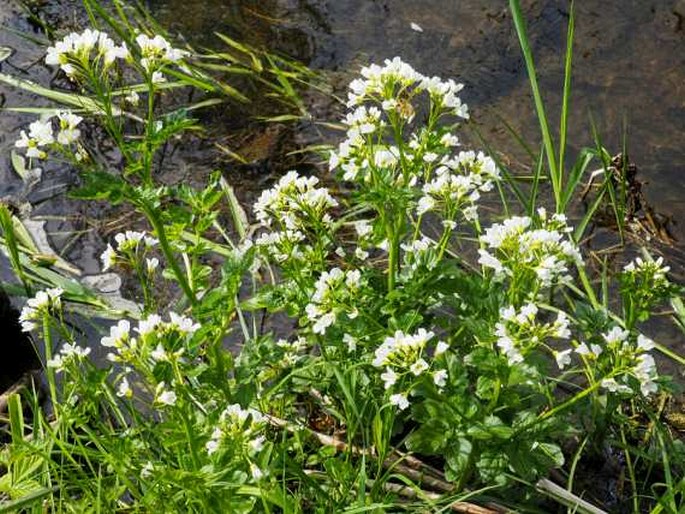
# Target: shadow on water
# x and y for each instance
(19, 355)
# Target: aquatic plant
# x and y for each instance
(424, 334)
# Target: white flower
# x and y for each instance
(67, 124)
(614, 387)
(489, 261)
(124, 389)
(389, 378)
(351, 342)
(322, 323)
(257, 474)
(506, 344)
(108, 258)
(527, 313)
(361, 254)
(592, 352)
(159, 353)
(615, 336)
(148, 325)
(158, 77)
(40, 134)
(449, 140)
(212, 446)
(402, 349)
(132, 98)
(111, 52)
(563, 358)
(400, 400)
(441, 348)
(440, 378)
(165, 397)
(118, 335)
(257, 444)
(363, 228)
(425, 204)
(645, 371)
(151, 265)
(419, 367)
(182, 324)
(561, 326)
(157, 49)
(644, 343)
(56, 362)
(37, 306)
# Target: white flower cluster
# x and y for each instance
(150, 330)
(155, 53)
(403, 355)
(457, 185)
(363, 121)
(73, 52)
(641, 365)
(237, 426)
(417, 254)
(519, 332)
(129, 245)
(68, 353)
(164, 397)
(384, 83)
(41, 134)
(48, 301)
(656, 268)
(292, 351)
(293, 200)
(335, 293)
(518, 248)
(392, 88)
(649, 275)
(296, 207)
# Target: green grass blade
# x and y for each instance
(7, 226)
(34, 499)
(563, 125)
(579, 232)
(79, 101)
(532, 197)
(520, 25)
(576, 175)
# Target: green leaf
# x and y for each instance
(552, 452)
(492, 466)
(457, 459)
(99, 185)
(492, 427)
(486, 387)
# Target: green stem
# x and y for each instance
(49, 371)
(393, 259)
(149, 133)
(160, 231)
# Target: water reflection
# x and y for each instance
(629, 62)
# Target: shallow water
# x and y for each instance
(629, 63)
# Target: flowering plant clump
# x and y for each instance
(290, 364)
(75, 53)
(41, 134)
(46, 302)
(528, 255)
